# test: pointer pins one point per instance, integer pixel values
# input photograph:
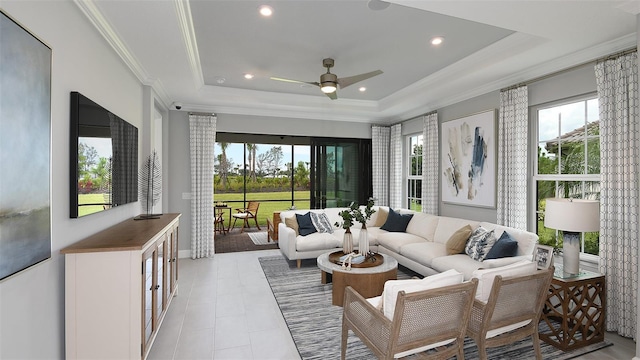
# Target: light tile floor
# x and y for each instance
(226, 310)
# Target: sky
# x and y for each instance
(559, 120)
(235, 152)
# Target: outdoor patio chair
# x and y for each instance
(433, 320)
(250, 212)
(511, 313)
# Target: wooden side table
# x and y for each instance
(574, 310)
(272, 227)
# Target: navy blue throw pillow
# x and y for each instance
(396, 222)
(504, 247)
(305, 225)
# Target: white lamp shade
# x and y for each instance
(575, 215)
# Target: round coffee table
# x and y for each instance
(367, 281)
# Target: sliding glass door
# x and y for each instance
(340, 172)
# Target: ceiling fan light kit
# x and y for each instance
(329, 82)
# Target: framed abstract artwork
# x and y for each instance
(25, 148)
(469, 160)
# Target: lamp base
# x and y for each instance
(571, 252)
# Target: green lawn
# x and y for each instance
(90, 199)
(269, 202)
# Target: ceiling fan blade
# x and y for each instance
(350, 80)
(295, 81)
(333, 95)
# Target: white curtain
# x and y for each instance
(380, 136)
(513, 126)
(617, 83)
(430, 166)
(202, 137)
(395, 171)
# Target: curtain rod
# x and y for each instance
(543, 77)
(202, 113)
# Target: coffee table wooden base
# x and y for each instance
(367, 285)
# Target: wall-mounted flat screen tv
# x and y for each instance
(103, 158)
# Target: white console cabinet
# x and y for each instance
(118, 286)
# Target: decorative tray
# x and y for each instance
(372, 261)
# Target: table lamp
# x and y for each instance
(572, 216)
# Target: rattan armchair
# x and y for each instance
(511, 313)
(434, 320)
(250, 212)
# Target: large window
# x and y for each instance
(414, 172)
(568, 160)
(276, 175)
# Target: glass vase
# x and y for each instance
(363, 241)
(347, 242)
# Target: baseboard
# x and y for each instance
(183, 254)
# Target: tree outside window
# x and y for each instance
(568, 161)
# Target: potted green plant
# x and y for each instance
(349, 217)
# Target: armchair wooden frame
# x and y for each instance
(512, 302)
(250, 212)
(435, 318)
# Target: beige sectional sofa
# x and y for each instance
(421, 248)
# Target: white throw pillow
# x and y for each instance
(321, 222)
(392, 287)
(485, 276)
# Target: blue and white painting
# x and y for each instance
(469, 160)
(25, 143)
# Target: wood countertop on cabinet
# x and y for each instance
(125, 236)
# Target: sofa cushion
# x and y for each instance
(423, 252)
(461, 262)
(479, 244)
(448, 225)
(396, 222)
(458, 240)
(305, 225)
(393, 287)
(321, 222)
(380, 216)
(318, 241)
(504, 247)
(292, 223)
(485, 276)
(526, 240)
(394, 241)
(423, 225)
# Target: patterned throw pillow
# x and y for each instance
(479, 244)
(321, 222)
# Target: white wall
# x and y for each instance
(32, 302)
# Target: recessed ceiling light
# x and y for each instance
(377, 5)
(220, 80)
(248, 76)
(437, 40)
(362, 89)
(266, 10)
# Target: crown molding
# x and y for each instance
(185, 20)
(91, 11)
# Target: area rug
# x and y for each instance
(315, 324)
(259, 238)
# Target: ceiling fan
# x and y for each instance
(329, 82)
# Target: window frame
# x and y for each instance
(557, 178)
(410, 179)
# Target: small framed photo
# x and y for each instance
(543, 256)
